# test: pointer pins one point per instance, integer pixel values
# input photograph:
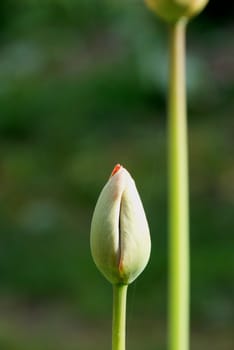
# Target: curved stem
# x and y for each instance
(178, 193)
(119, 317)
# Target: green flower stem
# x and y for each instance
(178, 193)
(119, 316)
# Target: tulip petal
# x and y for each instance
(135, 235)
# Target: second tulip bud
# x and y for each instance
(173, 10)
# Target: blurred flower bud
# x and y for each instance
(120, 238)
(173, 10)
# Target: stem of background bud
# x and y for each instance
(119, 317)
(178, 193)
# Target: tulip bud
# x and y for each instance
(173, 10)
(120, 238)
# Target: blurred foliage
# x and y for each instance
(82, 87)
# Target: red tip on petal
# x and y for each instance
(116, 169)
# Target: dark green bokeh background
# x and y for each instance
(82, 87)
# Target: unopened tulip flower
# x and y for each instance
(120, 243)
(173, 10)
(176, 13)
(120, 238)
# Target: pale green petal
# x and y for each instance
(135, 235)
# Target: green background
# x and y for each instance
(82, 87)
